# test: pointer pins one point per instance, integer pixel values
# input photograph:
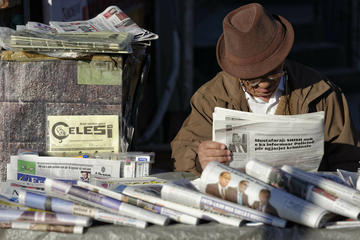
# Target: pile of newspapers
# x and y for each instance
(112, 31)
(260, 195)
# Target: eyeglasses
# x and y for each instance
(273, 77)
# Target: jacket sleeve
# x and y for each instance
(341, 139)
(195, 129)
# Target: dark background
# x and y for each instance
(183, 58)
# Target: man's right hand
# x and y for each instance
(213, 151)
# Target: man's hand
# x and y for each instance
(213, 151)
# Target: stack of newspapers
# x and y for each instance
(112, 31)
(261, 195)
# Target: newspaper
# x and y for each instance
(112, 19)
(103, 202)
(62, 206)
(342, 224)
(174, 215)
(341, 191)
(151, 194)
(111, 183)
(35, 169)
(235, 186)
(42, 227)
(182, 195)
(8, 215)
(93, 42)
(302, 189)
(5, 203)
(352, 179)
(274, 139)
(8, 188)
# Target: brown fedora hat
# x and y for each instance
(253, 42)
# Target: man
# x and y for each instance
(264, 205)
(85, 176)
(219, 189)
(236, 145)
(242, 197)
(257, 77)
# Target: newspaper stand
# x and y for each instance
(34, 86)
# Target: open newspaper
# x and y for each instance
(112, 19)
(305, 190)
(275, 139)
(235, 186)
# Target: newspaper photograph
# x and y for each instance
(339, 190)
(151, 194)
(42, 227)
(103, 202)
(172, 214)
(190, 197)
(267, 138)
(112, 19)
(307, 191)
(8, 215)
(230, 184)
(35, 169)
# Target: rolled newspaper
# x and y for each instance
(63, 206)
(191, 198)
(341, 191)
(233, 185)
(8, 215)
(104, 202)
(300, 188)
(7, 204)
(42, 227)
(144, 193)
(172, 214)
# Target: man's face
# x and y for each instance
(264, 198)
(266, 85)
(85, 175)
(242, 187)
(224, 180)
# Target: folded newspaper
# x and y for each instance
(93, 42)
(112, 19)
(302, 189)
(235, 186)
(32, 168)
(297, 140)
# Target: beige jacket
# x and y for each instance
(306, 91)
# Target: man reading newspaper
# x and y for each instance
(258, 78)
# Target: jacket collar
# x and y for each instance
(305, 85)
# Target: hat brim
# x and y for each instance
(253, 70)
